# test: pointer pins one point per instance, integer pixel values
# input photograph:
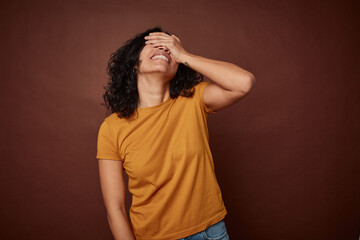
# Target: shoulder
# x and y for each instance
(199, 89)
(111, 118)
(201, 85)
(114, 122)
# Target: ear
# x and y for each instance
(136, 65)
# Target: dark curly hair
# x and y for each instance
(121, 92)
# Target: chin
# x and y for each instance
(163, 69)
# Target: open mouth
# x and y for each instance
(161, 57)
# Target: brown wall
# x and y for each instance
(286, 156)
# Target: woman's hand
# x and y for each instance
(158, 39)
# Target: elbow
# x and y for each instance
(116, 210)
(247, 84)
(252, 81)
(252, 77)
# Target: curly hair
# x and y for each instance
(121, 93)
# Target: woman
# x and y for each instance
(158, 134)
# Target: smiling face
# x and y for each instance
(156, 60)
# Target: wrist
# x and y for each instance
(186, 58)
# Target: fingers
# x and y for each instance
(176, 37)
(157, 43)
(161, 39)
(161, 35)
(158, 33)
(157, 37)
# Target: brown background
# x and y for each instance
(286, 156)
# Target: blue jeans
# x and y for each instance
(216, 231)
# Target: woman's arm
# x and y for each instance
(113, 191)
(231, 82)
(227, 75)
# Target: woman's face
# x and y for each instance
(157, 60)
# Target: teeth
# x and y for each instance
(160, 57)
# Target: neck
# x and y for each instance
(153, 90)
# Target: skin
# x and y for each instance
(154, 76)
(113, 191)
(229, 84)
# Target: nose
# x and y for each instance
(163, 48)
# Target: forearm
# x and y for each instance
(227, 75)
(120, 226)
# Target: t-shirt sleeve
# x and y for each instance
(106, 149)
(200, 88)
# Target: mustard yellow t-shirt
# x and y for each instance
(166, 155)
